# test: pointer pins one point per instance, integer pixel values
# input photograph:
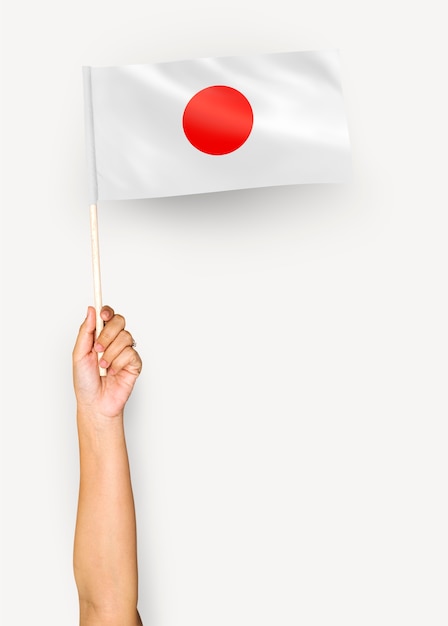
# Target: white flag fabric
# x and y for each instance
(215, 124)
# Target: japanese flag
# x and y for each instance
(215, 124)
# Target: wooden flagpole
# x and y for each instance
(96, 275)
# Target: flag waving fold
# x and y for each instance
(215, 124)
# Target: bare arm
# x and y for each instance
(105, 549)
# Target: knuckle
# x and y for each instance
(120, 319)
(136, 361)
(127, 337)
(133, 356)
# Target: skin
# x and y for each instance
(105, 547)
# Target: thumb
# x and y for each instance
(86, 335)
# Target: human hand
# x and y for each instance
(104, 396)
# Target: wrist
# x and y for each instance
(88, 417)
(99, 435)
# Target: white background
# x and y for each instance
(288, 434)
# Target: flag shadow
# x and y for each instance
(289, 204)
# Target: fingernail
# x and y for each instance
(104, 363)
(98, 347)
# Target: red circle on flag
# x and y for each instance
(218, 120)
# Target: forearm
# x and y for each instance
(105, 554)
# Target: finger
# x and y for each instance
(123, 339)
(107, 313)
(84, 341)
(128, 359)
(109, 332)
